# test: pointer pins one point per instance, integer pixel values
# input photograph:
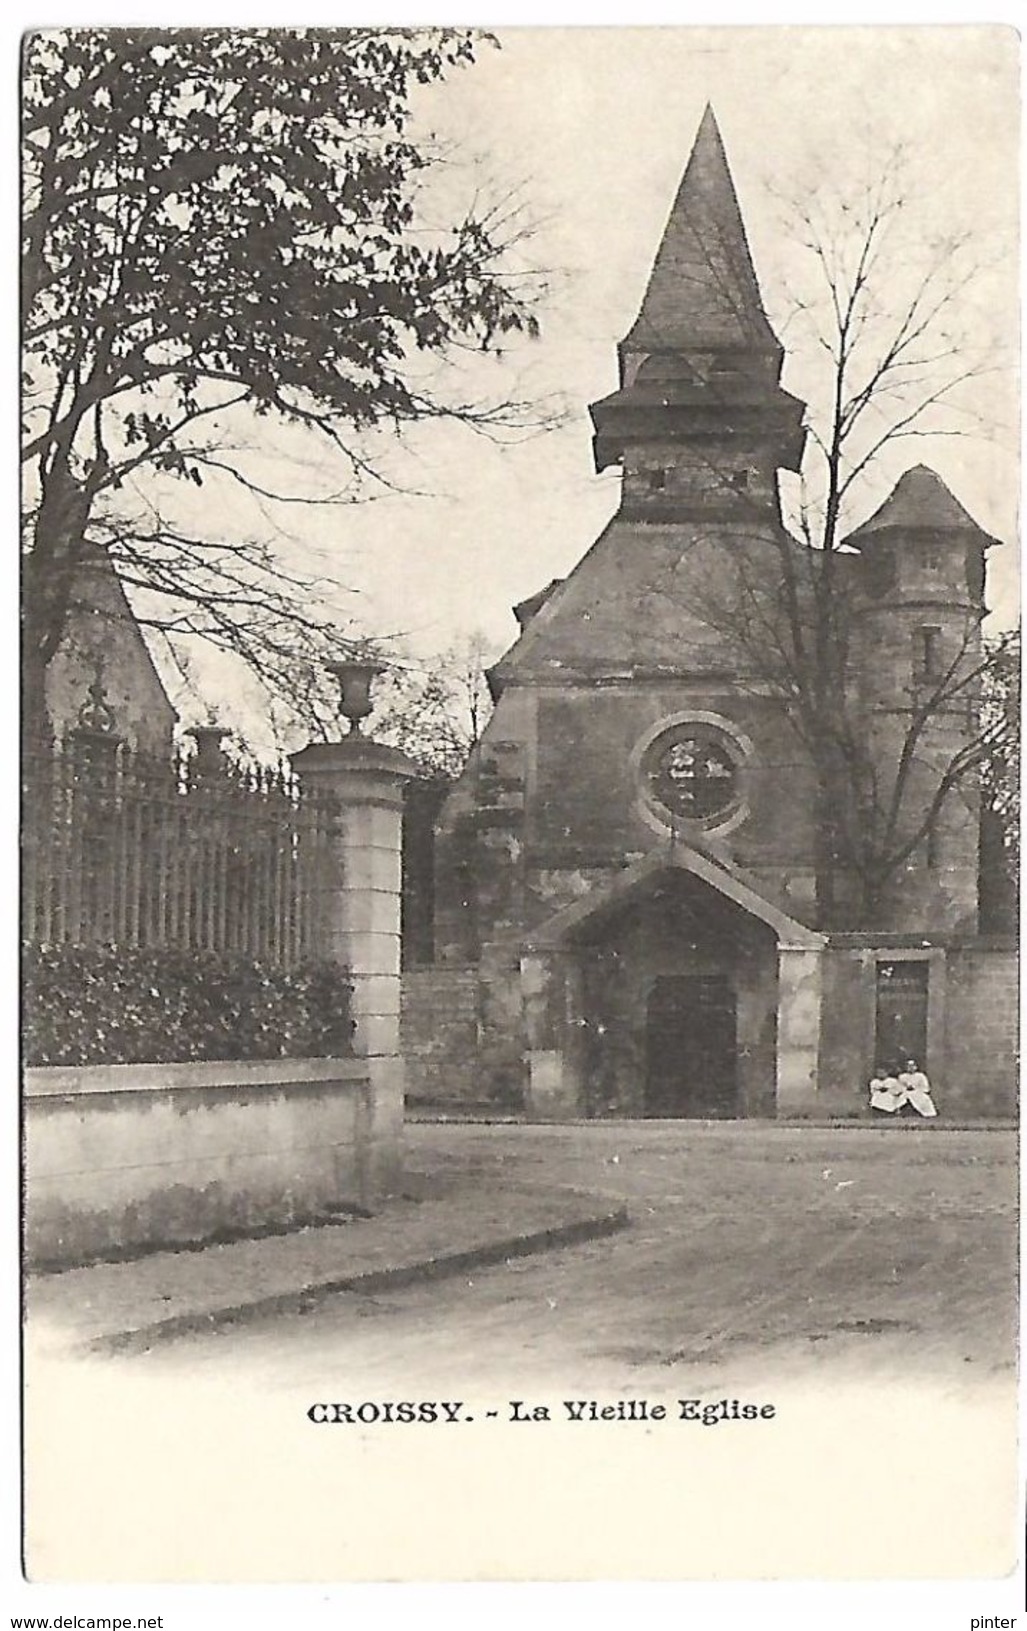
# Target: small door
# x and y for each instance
(901, 1013)
(691, 1055)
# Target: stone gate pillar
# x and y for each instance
(360, 901)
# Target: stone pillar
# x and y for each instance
(798, 1028)
(549, 1007)
(361, 907)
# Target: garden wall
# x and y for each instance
(123, 1158)
(439, 1035)
(982, 1030)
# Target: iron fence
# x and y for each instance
(124, 850)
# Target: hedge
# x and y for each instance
(105, 1005)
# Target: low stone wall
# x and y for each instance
(982, 1030)
(121, 1158)
(973, 1019)
(846, 1033)
(439, 1035)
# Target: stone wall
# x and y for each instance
(123, 1158)
(972, 1029)
(847, 1031)
(982, 1031)
(586, 808)
(661, 481)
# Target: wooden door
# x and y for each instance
(691, 1047)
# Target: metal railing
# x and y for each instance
(195, 854)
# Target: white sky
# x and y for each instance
(592, 128)
(597, 125)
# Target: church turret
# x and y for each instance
(922, 567)
(922, 548)
(916, 646)
(700, 422)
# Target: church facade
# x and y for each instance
(624, 897)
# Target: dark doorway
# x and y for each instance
(691, 1047)
(901, 1013)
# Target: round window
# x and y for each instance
(693, 773)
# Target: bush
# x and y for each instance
(105, 1005)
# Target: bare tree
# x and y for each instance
(436, 711)
(1000, 791)
(880, 325)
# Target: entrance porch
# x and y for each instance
(676, 991)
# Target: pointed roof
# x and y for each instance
(703, 291)
(726, 880)
(919, 501)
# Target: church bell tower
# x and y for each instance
(700, 422)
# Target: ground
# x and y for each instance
(860, 1282)
(767, 1247)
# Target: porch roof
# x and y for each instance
(727, 881)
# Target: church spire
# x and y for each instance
(701, 366)
(702, 292)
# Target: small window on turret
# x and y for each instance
(926, 653)
(657, 479)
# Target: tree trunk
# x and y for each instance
(831, 852)
(824, 857)
(47, 587)
(35, 721)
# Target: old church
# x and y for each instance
(621, 916)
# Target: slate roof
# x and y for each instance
(919, 501)
(702, 291)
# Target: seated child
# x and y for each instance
(917, 1090)
(885, 1092)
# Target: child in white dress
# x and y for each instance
(916, 1090)
(885, 1092)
